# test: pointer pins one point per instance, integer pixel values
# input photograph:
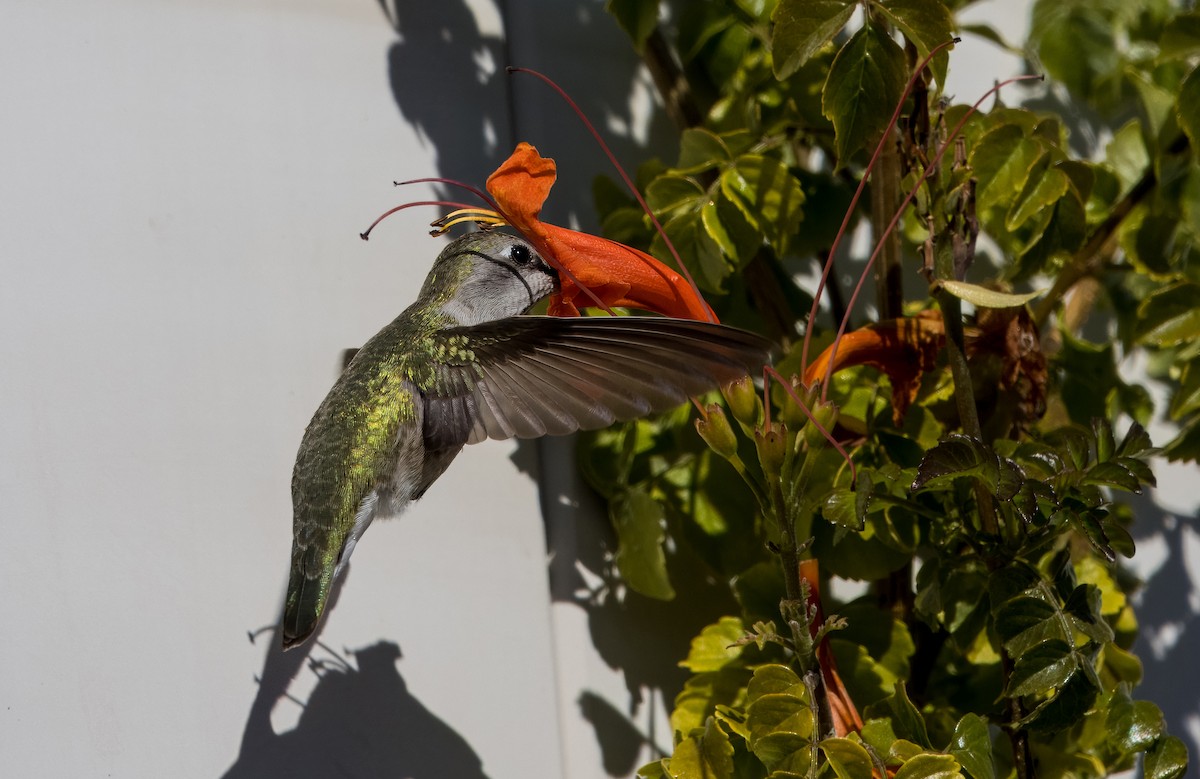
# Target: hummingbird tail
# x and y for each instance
(303, 609)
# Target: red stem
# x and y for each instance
(862, 184)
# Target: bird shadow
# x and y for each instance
(359, 720)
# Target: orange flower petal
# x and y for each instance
(620, 276)
(901, 348)
(615, 274)
(521, 185)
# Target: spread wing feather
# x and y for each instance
(535, 376)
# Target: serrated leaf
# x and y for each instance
(927, 23)
(1065, 709)
(639, 522)
(1043, 668)
(779, 725)
(1025, 622)
(802, 27)
(972, 746)
(1083, 607)
(864, 84)
(770, 196)
(671, 191)
(700, 150)
(848, 759)
(1112, 474)
(959, 456)
(716, 646)
(927, 766)
(705, 754)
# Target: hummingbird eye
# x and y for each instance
(520, 254)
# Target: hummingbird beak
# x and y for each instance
(594, 272)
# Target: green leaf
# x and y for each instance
(972, 746)
(959, 456)
(671, 191)
(1167, 759)
(699, 251)
(1065, 709)
(802, 27)
(705, 754)
(1170, 316)
(1181, 36)
(927, 23)
(1075, 44)
(780, 725)
(1002, 160)
(700, 150)
(928, 766)
(988, 298)
(1044, 667)
(639, 521)
(907, 721)
(716, 646)
(1134, 725)
(1026, 622)
(654, 770)
(848, 759)
(1044, 186)
(768, 194)
(864, 84)
(773, 679)
(637, 18)
(842, 507)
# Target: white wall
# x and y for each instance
(181, 188)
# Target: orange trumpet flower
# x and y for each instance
(616, 275)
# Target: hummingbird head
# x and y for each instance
(486, 276)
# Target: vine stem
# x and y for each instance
(929, 169)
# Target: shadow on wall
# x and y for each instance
(448, 80)
(1168, 624)
(360, 721)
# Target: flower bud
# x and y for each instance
(743, 400)
(789, 411)
(714, 428)
(826, 415)
(772, 448)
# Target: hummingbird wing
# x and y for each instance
(526, 377)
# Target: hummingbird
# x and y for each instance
(461, 365)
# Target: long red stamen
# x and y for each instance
(476, 191)
(929, 169)
(624, 177)
(486, 198)
(862, 184)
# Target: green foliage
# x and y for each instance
(986, 517)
